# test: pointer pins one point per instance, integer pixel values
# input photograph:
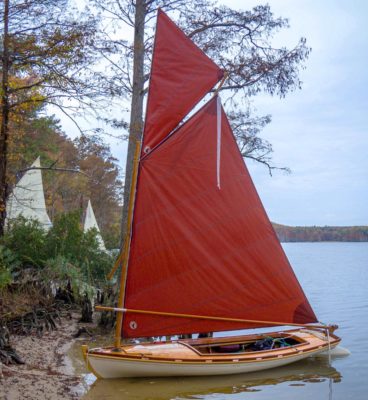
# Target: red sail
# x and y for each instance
(197, 249)
(181, 74)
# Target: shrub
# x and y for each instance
(67, 239)
(63, 253)
(60, 271)
(65, 236)
(8, 262)
(26, 239)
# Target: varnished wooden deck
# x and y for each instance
(189, 350)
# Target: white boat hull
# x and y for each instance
(119, 368)
(211, 356)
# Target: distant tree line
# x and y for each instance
(321, 233)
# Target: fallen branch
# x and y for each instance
(7, 354)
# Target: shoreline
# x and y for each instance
(48, 372)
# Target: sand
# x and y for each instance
(48, 372)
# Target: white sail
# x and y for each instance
(28, 198)
(90, 222)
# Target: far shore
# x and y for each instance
(288, 234)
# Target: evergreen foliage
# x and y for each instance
(8, 261)
(26, 239)
(64, 252)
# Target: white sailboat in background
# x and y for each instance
(90, 222)
(28, 198)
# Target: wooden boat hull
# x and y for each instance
(117, 368)
(179, 358)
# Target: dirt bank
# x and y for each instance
(47, 373)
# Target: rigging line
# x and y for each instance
(219, 114)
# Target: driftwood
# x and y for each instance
(30, 307)
(7, 354)
(38, 321)
(41, 319)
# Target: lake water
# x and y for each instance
(335, 279)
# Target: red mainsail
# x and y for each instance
(181, 74)
(197, 249)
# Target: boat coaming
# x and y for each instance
(183, 357)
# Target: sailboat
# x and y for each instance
(91, 223)
(27, 198)
(200, 255)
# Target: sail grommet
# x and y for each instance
(147, 149)
(133, 325)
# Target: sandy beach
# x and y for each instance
(48, 372)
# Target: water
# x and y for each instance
(335, 279)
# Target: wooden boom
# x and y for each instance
(253, 321)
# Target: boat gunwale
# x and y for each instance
(244, 357)
(147, 359)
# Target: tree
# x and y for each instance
(104, 184)
(4, 115)
(239, 41)
(48, 54)
(99, 180)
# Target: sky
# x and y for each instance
(319, 132)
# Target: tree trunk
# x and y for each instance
(136, 114)
(135, 128)
(4, 130)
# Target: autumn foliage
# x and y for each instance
(321, 233)
(96, 176)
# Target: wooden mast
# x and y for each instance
(125, 253)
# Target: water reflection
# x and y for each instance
(313, 370)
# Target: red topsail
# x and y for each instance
(197, 249)
(181, 74)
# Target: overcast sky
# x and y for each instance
(319, 132)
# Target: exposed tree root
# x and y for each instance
(7, 354)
